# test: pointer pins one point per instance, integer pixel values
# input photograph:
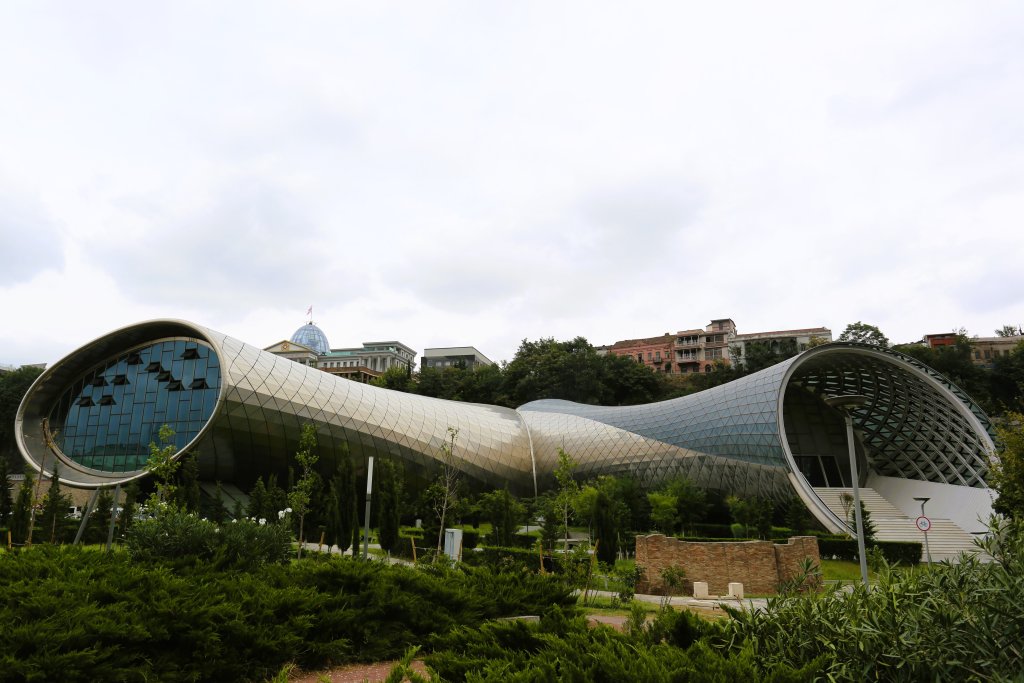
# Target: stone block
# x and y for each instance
(736, 590)
(700, 590)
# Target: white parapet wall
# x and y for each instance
(967, 507)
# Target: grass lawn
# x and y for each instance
(842, 570)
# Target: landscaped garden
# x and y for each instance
(189, 592)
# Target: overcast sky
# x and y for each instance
(478, 173)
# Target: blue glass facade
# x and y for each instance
(109, 416)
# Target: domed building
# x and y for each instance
(313, 337)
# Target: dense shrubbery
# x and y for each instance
(68, 613)
(563, 648)
(959, 621)
(182, 538)
(842, 548)
(504, 559)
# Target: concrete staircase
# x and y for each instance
(946, 539)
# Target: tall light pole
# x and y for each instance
(924, 524)
(845, 404)
(366, 521)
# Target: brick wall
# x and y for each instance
(759, 565)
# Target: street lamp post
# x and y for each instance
(845, 404)
(366, 519)
(924, 527)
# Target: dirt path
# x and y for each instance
(353, 673)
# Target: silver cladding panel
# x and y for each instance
(729, 437)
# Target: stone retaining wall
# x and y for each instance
(759, 565)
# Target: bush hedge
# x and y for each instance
(843, 548)
(74, 614)
(953, 621)
(563, 648)
(181, 538)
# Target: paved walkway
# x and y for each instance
(710, 604)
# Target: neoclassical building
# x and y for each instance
(772, 433)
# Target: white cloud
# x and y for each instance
(462, 173)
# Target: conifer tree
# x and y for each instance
(21, 515)
(276, 499)
(389, 491)
(99, 521)
(344, 501)
(55, 508)
(606, 528)
(6, 499)
(217, 511)
(257, 500)
(187, 494)
(131, 500)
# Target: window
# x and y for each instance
(639, 358)
(648, 355)
(657, 355)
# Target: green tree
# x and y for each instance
(664, 511)
(754, 514)
(186, 493)
(6, 499)
(55, 508)
(21, 515)
(275, 501)
(634, 499)
(396, 378)
(99, 521)
(1007, 381)
(300, 498)
(1006, 473)
(163, 466)
(505, 513)
(257, 500)
(568, 490)
(797, 516)
(447, 485)
(626, 382)
(763, 354)
(547, 368)
(955, 363)
(13, 387)
(550, 524)
(691, 502)
(131, 499)
(1009, 331)
(343, 499)
(482, 384)
(218, 513)
(389, 500)
(606, 527)
(864, 334)
(865, 519)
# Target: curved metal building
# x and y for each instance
(771, 433)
